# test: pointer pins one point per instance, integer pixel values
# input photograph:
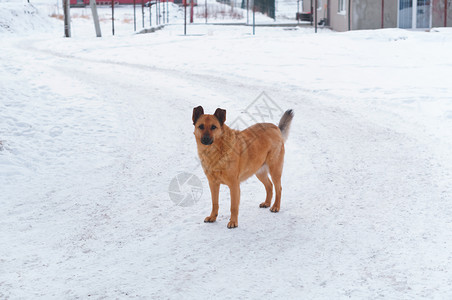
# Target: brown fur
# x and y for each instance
(233, 156)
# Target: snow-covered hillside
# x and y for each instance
(21, 17)
(93, 131)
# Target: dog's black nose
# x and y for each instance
(206, 140)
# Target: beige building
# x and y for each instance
(343, 15)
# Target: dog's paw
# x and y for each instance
(264, 205)
(210, 219)
(274, 209)
(233, 224)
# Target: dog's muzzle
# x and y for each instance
(206, 140)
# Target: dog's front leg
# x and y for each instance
(235, 202)
(215, 192)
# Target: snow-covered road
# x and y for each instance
(93, 131)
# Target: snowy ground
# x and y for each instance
(92, 131)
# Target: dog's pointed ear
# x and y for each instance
(197, 112)
(221, 115)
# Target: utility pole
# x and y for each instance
(185, 17)
(206, 11)
(167, 12)
(349, 12)
(254, 18)
(67, 18)
(315, 19)
(445, 13)
(142, 13)
(113, 17)
(134, 15)
(93, 5)
(191, 10)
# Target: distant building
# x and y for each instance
(343, 15)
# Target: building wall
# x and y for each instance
(338, 21)
(438, 13)
(449, 13)
(390, 13)
(366, 14)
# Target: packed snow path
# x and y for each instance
(93, 131)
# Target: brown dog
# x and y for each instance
(230, 156)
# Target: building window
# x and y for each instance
(341, 6)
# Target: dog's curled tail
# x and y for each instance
(284, 123)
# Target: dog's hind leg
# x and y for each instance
(262, 175)
(276, 178)
(275, 166)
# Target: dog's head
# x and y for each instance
(208, 128)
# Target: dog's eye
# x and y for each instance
(213, 127)
(201, 126)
